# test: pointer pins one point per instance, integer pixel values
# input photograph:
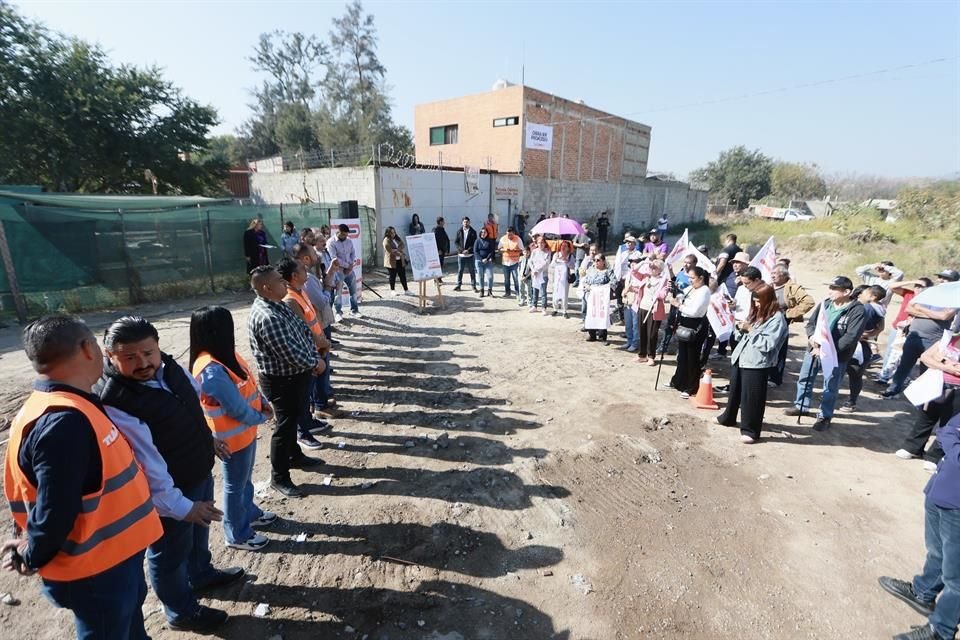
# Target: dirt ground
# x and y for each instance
(495, 476)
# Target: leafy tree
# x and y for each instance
(737, 175)
(936, 207)
(74, 122)
(793, 180)
(320, 96)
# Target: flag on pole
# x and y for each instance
(720, 315)
(766, 260)
(702, 261)
(679, 249)
(822, 337)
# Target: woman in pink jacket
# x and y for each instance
(651, 309)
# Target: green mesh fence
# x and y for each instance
(76, 253)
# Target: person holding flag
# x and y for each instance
(833, 332)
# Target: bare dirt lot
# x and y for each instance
(495, 476)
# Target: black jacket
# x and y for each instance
(847, 330)
(465, 245)
(175, 420)
(443, 240)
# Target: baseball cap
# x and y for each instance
(654, 231)
(743, 257)
(949, 274)
(841, 282)
(629, 239)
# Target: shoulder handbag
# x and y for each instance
(685, 334)
(571, 278)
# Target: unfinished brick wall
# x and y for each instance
(588, 144)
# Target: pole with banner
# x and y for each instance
(766, 260)
(354, 235)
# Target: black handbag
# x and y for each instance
(685, 334)
(571, 278)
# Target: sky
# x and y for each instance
(706, 76)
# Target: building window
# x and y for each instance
(506, 122)
(443, 135)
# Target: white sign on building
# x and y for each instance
(539, 136)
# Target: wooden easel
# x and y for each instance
(422, 303)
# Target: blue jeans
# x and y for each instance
(941, 570)
(107, 605)
(913, 348)
(486, 275)
(349, 279)
(537, 294)
(630, 326)
(886, 370)
(180, 559)
(510, 271)
(238, 507)
(831, 383)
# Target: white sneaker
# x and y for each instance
(903, 454)
(255, 543)
(267, 519)
(684, 395)
(929, 467)
(337, 317)
(356, 314)
(409, 293)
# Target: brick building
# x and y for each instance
(597, 161)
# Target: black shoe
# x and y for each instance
(481, 294)
(591, 338)
(221, 578)
(207, 620)
(822, 424)
(306, 462)
(889, 393)
(456, 288)
(795, 411)
(490, 293)
(287, 488)
(904, 591)
(925, 632)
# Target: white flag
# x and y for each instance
(766, 260)
(598, 307)
(822, 336)
(679, 249)
(702, 261)
(720, 315)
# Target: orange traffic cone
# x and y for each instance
(704, 397)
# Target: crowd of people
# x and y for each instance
(110, 460)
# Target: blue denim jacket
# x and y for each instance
(943, 489)
(760, 347)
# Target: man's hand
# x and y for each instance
(267, 411)
(12, 552)
(221, 449)
(203, 513)
(320, 368)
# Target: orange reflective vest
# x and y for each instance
(115, 522)
(236, 434)
(309, 313)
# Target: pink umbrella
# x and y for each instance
(558, 227)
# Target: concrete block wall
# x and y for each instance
(319, 185)
(430, 194)
(582, 200)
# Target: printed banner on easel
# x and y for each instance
(354, 235)
(598, 307)
(424, 257)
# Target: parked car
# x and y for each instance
(794, 215)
